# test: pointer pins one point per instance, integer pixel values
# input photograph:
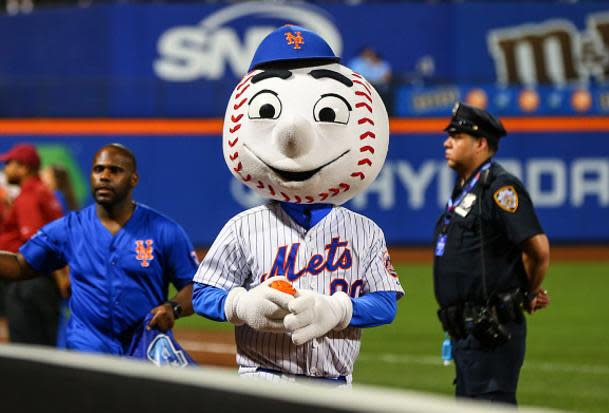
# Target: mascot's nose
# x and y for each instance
(293, 136)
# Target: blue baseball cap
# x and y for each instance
(292, 43)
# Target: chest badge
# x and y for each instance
(466, 205)
(507, 198)
(144, 252)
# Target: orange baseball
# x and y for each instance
(283, 286)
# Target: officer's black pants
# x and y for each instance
(490, 374)
(32, 311)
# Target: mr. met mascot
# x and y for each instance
(309, 134)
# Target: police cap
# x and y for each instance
(476, 122)
(289, 43)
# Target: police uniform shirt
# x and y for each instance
(116, 279)
(508, 219)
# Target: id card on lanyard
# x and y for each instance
(440, 244)
(450, 208)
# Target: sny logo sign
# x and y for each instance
(144, 253)
(295, 40)
(214, 48)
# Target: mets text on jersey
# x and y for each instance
(285, 265)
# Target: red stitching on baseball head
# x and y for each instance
(272, 190)
(233, 143)
(362, 105)
(367, 148)
(365, 161)
(359, 93)
(234, 156)
(235, 129)
(367, 134)
(358, 174)
(359, 82)
(345, 186)
(238, 105)
(309, 199)
(323, 195)
(260, 184)
(238, 95)
(238, 168)
(298, 200)
(238, 118)
(244, 81)
(287, 198)
(365, 120)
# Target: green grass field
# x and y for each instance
(567, 361)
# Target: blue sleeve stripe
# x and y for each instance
(208, 301)
(374, 309)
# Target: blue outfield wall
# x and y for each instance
(187, 179)
(182, 60)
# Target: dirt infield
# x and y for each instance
(211, 348)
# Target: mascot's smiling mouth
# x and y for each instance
(297, 176)
(294, 176)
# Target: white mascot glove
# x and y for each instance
(262, 308)
(313, 315)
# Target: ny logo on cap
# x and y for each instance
(144, 253)
(295, 40)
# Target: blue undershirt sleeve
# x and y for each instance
(374, 309)
(209, 301)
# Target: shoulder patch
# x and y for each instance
(389, 266)
(507, 198)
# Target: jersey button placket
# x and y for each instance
(114, 291)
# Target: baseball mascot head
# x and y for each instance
(302, 128)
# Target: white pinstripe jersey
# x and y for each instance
(345, 251)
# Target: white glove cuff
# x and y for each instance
(346, 306)
(230, 306)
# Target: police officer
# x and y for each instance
(490, 258)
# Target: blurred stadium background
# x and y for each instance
(156, 76)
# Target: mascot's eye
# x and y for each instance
(332, 108)
(264, 105)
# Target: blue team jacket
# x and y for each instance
(116, 279)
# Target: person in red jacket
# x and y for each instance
(32, 307)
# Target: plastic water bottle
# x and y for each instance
(447, 351)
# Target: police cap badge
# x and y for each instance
(476, 122)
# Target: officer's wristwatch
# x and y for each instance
(177, 309)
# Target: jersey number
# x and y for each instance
(354, 290)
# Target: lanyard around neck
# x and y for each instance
(452, 203)
(450, 207)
